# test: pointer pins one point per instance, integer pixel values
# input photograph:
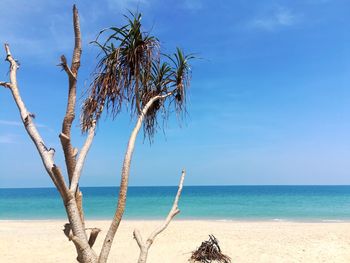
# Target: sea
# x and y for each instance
(223, 203)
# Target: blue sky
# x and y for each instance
(269, 101)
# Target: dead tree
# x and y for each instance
(69, 192)
(141, 81)
(145, 245)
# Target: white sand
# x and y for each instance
(43, 241)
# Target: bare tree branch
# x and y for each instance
(70, 152)
(93, 235)
(60, 182)
(138, 238)
(83, 249)
(67, 230)
(47, 159)
(125, 180)
(79, 243)
(144, 246)
(72, 196)
(72, 201)
(66, 68)
(77, 43)
(81, 159)
(7, 50)
(5, 84)
(78, 230)
(72, 73)
(45, 153)
(173, 212)
(79, 201)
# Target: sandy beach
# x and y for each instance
(43, 241)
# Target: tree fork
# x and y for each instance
(72, 204)
(145, 246)
(107, 244)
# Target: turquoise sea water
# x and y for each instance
(305, 203)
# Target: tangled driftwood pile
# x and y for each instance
(209, 251)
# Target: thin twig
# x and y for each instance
(209, 251)
(66, 68)
(5, 84)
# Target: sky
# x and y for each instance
(269, 101)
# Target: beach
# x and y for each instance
(228, 118)
(244, 241)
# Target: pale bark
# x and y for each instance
(70, 198)
(124, 181)
(77, 172)
(47, 157)
(85, 253)
(5, 84)
(74, 207)
(93, 235)
(27, 119)
(72, 73)
(81, 159)
(145, 246)
(70, 153)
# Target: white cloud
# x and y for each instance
(7, 139)
(280, 17)
(32, 37)
(10, 123)
(193, 4)
(19, 124)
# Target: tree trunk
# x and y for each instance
(85, 252)
(143, 255)
(107, 244)
(122, 194)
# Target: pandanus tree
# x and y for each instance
(131, 73)
(131, 69)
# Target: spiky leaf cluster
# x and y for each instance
(131, 71)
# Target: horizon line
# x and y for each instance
(203, 185)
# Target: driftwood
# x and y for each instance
(209, 251)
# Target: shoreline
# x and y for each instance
(245, 242)
(277, 220)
